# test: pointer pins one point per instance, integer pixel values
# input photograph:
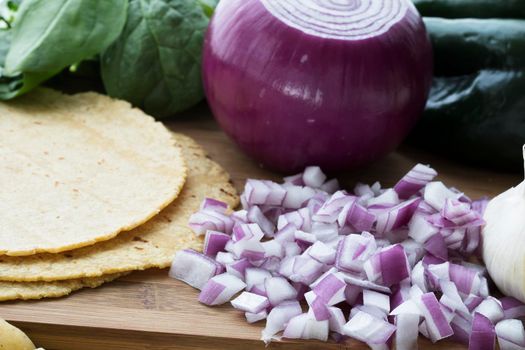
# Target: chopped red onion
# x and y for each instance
(238, 267)
(407, 328)
(252, 318)
(511, 335)
(483, 334)
(256, 216)
(279, 317)
(414, 181)
(395, 217)
(512, 308)
(194, 268)
(491, 308)
(308, 240)
(250, 302)
(388, 266)
(255, 276)
(420, 229)
(330, 186)
(436, 194)
(279, 289)
(296, 196)
(209, 219)
(436, 246)
(379, 300)
(353, 251)
(214, 242)
(322, 253)
(220, 289)
(214, 205)
(367, 328)
(437, 325)
(313, 176)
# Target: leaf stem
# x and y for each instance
(6, 22)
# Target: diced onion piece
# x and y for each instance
(337, 319)
(407, 329)
(388, 266)
(367, 328)
(300, 219)
(296, 196)
(194, 268)
(354, 250)
(379, 300)
(436, 194)
(250, 302)
(313, 176)
(491, 308)
(256, 216)
(224, 258)
(420, 229)
(436, 322)
(209, 219)
(238, 267)
(322, 253)
(214, 204)
(295, 327)
(331, 209)
(436, 246)
(331, 289)
(451, 298)
(395, 217)
(318, 307)
(255, 276)
(220, 289)
(387, 199)
(252, 318)
(330, 186)
(483, 334)
(361, 282)
(273, 248)
(279, 317)
(512, 308)
(414, 181)
(279, 289)
(511, 335)
(214, 242)
(407, 307)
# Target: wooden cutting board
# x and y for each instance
(148, 310)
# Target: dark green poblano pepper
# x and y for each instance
(476, 107)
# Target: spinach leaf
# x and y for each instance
(208, 6)
(50, 35)
(12, 85)
(156, 62)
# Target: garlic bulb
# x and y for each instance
(504, 241)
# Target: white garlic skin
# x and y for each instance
(504, 241)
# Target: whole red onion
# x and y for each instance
(334, 83)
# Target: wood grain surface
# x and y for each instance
(148, 310)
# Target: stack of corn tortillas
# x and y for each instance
(91, 189)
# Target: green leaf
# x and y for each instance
(13, 5)
(50, 35)
(156, 62)
(208, 6)
(17, 84)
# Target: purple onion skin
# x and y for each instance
(291, 99)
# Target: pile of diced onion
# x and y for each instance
(377, 265)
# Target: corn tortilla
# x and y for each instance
(80, 169)
(150, 245)
(39, 290)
